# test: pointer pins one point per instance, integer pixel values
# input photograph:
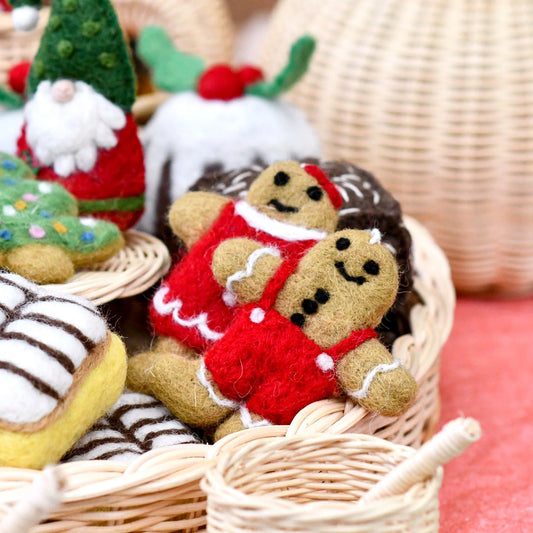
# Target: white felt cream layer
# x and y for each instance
(10, 127)
(195, 133)
(136, 423)
(39, 330)
(67, 135)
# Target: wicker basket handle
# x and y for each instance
(42, 498)
(451, 441)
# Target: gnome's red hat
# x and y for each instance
(323, 180)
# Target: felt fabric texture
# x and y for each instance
(83, 41)
(11, 123)
(95, 395)
(117, 177)
(41, 236)
(136, 424)
(300, 56)
(18, 76)
(12, 167)
(488, 488)
(10, 100)
(172, 70)
(25, 18)
(220, 82)
(189, 135)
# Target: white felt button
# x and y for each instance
(257, 315)
(325, 362)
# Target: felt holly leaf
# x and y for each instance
(10, 100)
(172, 70)
(299, 58)
(136, 424)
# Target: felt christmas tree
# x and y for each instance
(79, 129)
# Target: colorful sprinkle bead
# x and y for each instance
(45, 214)
(37, 232)
(9, 181)
(5, 234)
(59, 227)
(88, 221)
(87, 236)
(9, 165)
(30, 197)
(9, 210)
(21, 205)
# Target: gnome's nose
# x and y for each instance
(63, 91)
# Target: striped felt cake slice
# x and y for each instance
(136, 424)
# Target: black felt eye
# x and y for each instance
(315, 193)
(322, 296)
(371, 267)
(281, 178)
(298, 319)
(342, 243)
(310, 307)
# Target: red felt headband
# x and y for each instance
(323, 180)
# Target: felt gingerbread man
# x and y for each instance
(304, 334)
(289, 207)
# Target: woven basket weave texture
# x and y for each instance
(435, 97)
(161, 491)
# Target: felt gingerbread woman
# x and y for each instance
(304, 334)
(289, 207)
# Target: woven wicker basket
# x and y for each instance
(142, 262)
(160, 492)
(202, 27)
(436, 98)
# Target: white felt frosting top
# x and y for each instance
(44, 338)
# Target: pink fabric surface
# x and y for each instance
(487, 373)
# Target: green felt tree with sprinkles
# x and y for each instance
(41, 235)
(79, 129)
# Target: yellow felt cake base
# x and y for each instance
(95, 396)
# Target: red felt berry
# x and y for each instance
(4, 6)
(18, 75)
(250, 74)
(220, 82)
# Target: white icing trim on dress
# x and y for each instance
(229, 296)
(202, 378)
(247, 422)
(325, 362)
(375, 236)
(281, 230)
(174, 307)
(257, 315)
(384, 367)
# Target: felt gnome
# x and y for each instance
(289, 206)
(304, 333)
(78, 128)
(218, 118)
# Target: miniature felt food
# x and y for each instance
(283, 315)
(60, 371)
(219, 118)
(41, 236)
(78, 127)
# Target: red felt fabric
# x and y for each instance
(118, 173)
(323, 180)
(18, 75)
(192, 281)
(487, 373)
(220, 82)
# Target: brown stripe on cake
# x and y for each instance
(147, 421)
(37, 383)
(59, 299)
(121, 411)
(59, 356)
(86, 448)
(65, 326)
(113, 453)
(154, 434)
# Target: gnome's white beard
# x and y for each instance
(67, 135)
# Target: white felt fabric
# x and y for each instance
(10, 127)
(195, 133)
(25, 18)
(67, 135)
(140, 410)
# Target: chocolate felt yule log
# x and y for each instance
(41, 235)
(78, 128)
(218, 118)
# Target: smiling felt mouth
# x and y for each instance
(339, 265)
(283, 208)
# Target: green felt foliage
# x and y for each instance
(172, 70)
(83, 41)
(21, 3)
(299, 58)
(13, 167)
(33, 211)
(10, 100)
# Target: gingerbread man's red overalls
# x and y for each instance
(268, 364)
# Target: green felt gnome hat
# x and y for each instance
(83, 41)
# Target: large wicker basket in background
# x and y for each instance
(436, 98)
(161, 492)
